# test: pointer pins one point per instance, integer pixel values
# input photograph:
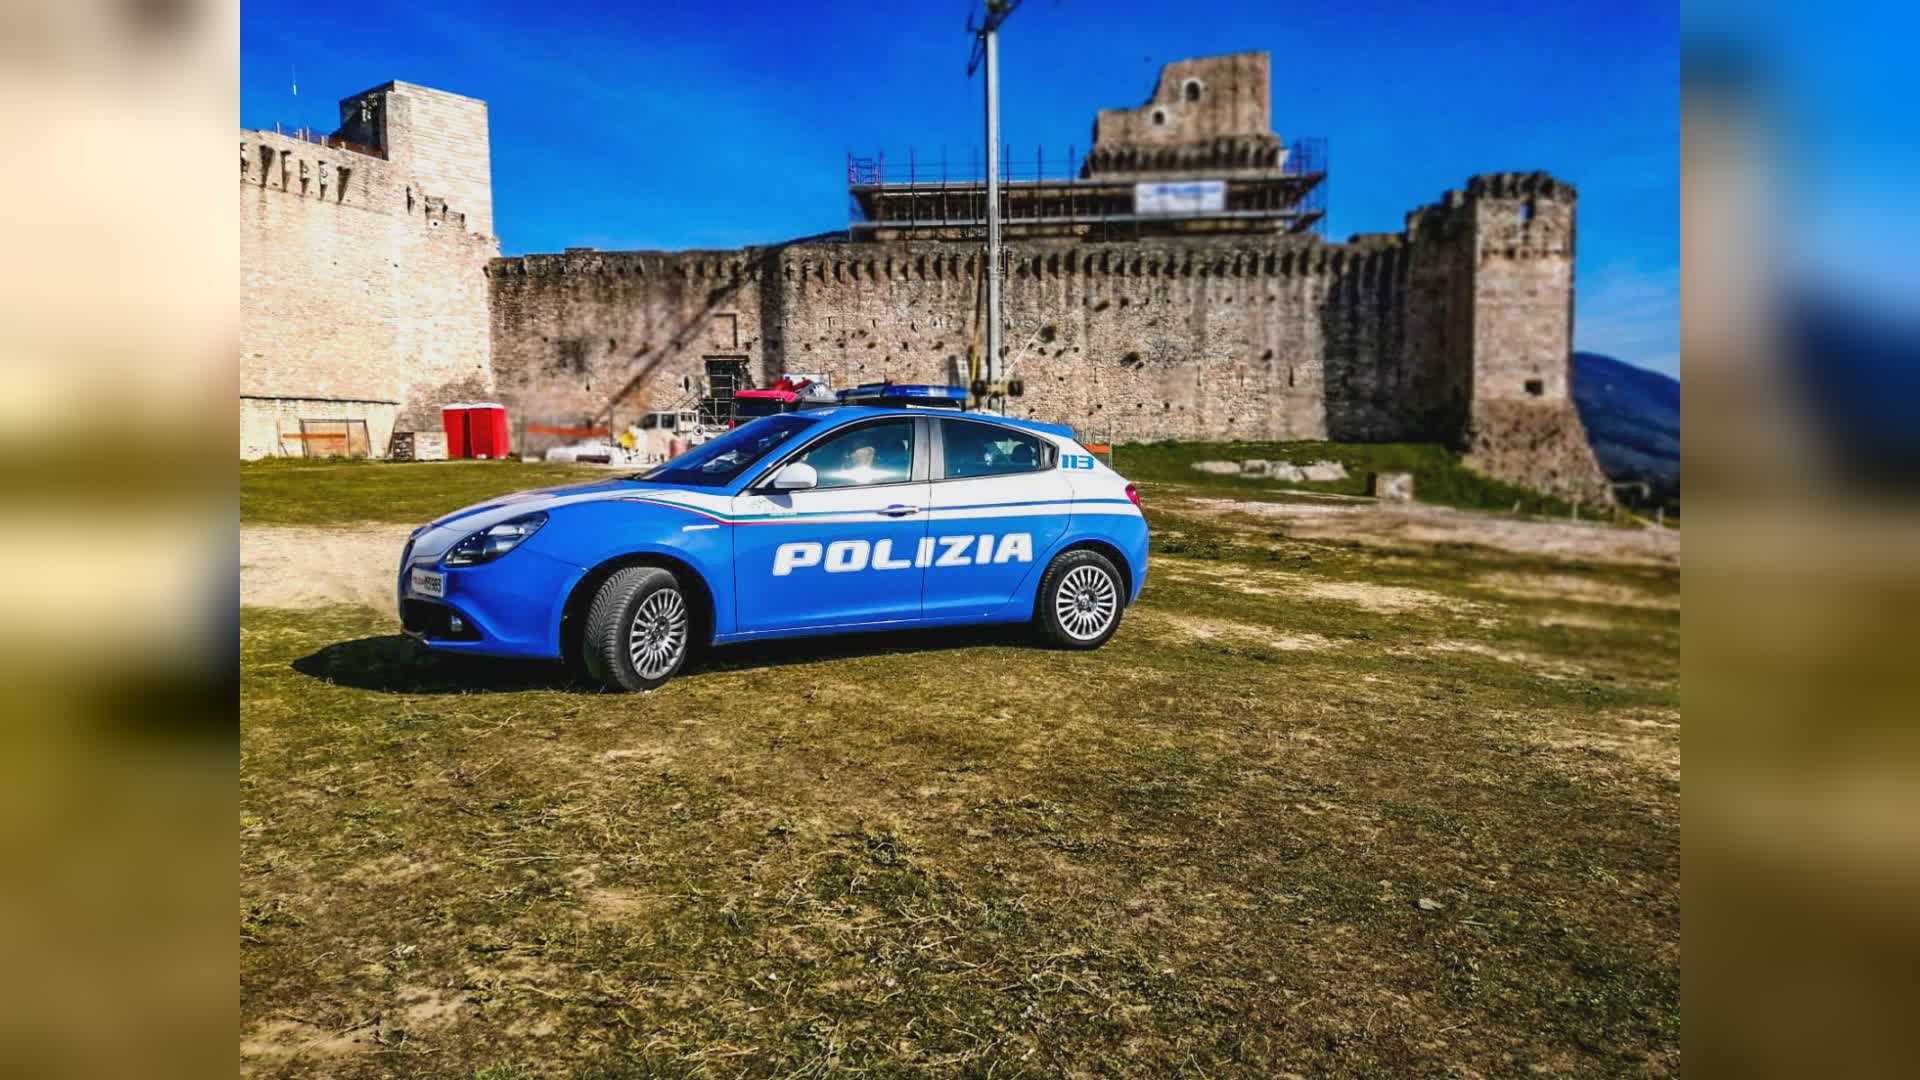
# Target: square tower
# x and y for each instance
(1523, 250)
(437, 139)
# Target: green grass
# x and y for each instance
(1197, 851)
(1438, 475)
(293, 491)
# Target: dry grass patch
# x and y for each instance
(1545, 666)
(296, 1040)
(1390, 599)
(1258, 581)
(1574, 587)
(1199, 628)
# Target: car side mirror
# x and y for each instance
(796, 477)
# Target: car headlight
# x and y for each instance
(492, 543)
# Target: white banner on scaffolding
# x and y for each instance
(1184, 197)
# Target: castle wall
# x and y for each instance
(268, 426)
(586, 336)
(1285, 338)
(1455, 330)
(361, 290)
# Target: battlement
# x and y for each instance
(310, 170)
(1513, 185)
(291, 166)
(693, 265)
(1517, 215)
(1284, 257)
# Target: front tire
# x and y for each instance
(638, 630)
(1080, 600)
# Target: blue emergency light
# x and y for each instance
(901, 395)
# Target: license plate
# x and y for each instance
(428, 582)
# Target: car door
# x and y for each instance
(998, 502)
(843, 553)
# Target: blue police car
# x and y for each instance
(848, 518)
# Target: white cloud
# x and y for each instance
(1630, 314)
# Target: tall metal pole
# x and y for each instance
(996, 374)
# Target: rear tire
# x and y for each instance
(1080, 600)
(638, 630)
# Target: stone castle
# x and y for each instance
(373, 291)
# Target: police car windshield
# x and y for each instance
(718, 462)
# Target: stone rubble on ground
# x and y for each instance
(1318, 472)
(1391, 486)
(1217, 468)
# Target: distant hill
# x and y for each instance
(1632, 417)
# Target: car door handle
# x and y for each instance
(897, 510)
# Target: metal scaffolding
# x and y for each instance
(1039, 195)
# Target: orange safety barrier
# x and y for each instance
(340, 435)
(1100, 448)
(569, 432)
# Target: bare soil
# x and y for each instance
(1399, 525)
(301, 567)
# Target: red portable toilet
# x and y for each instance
(455, 420)
(487, 430)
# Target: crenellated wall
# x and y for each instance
(1388, 336)
(363, 286)
(1177, 340)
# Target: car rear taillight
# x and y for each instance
(1134, 494)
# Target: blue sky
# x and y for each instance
(675, 126)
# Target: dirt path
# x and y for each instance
(292, 567)
(297, 567)
(1401, 524)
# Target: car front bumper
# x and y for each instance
(508, 607)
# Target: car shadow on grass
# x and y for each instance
(397, 664)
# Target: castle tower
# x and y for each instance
(1523, 239)
(1494, 282)
(1210, 116)
(1198, 158)
(363, 256)
(437, 138)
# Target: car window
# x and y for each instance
(869, 454)
(988, 450)
(718, 461)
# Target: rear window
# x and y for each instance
(974, 449)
